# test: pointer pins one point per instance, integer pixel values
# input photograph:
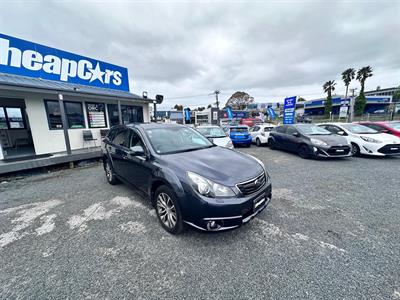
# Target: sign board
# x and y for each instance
(24, 58)
(229, 112)
(288, 110)
(343, 111)
(96, 115)
(215, 115)
(271, 113)
(187, 114)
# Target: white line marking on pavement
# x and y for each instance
(26, 216)
(101, 211)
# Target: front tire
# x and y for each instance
(110, 174)
(355, 149)
(168, 211)
(272, 144)
(304, 152)
(258, 142)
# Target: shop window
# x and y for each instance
(3, 119)
(130, 114)
(53, 114)
(96, 114)
(15, 118)
(73, 112)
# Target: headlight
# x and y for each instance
(208, 188)
(318, 142)
(371, 140)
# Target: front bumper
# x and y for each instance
(230, 213)
(379, 149)
(331, 152)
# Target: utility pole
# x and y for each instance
(351, 112)
(216, 92)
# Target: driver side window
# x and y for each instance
(135, 140)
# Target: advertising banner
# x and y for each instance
(271, 113)
(289, 110)
(24, 58)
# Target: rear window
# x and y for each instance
(239, 129)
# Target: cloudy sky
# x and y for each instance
(185, 50)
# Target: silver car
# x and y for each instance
(216, 135)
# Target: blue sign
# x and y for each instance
(25, 58)
(229, 112)
(187, 114)
(288, 110)
(271, 113)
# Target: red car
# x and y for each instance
(384, 127)
(250, 121)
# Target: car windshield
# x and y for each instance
(211, 132)
(309, 129)
(174, 139)
(239, 129)
(359, 129)
(395, 126)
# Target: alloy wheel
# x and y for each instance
(166, 210)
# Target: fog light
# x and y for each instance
(214, 225)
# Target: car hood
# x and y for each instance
(221, 165)
(222, 141)
(330, 139)
(383, 137)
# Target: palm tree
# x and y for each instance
(329, 87)
(362, 75)
(360, 102)
(347, 76)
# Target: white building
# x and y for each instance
(46, 111)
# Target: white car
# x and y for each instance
(260, 133)
(365, 140)
(216, 135)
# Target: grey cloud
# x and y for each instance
(190, 48)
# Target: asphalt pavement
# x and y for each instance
(332, 231)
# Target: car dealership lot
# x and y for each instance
(331, 231)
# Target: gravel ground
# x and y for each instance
(332, 231)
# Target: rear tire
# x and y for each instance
(110, 174)
(304, 152)
(271, 144)
(258, 142)
(168, 211)
(248, 145)
(355, 149)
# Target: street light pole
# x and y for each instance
(351, 112)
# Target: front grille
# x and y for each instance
(338, 150)
(390, 149)
(251, 186)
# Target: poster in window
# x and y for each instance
(96, 115)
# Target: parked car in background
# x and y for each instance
(260, 133)
(365, 140)
(384, 127)
(250, 121)
(240, 135)
(309, 140)
(216, 135)
(303, 119)
(186, 177)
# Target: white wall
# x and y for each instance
(51, 141)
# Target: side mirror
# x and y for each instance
(137, 151)
(296, 134)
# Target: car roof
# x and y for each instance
(152, 125)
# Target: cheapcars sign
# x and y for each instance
(25, 58)
(288, 110)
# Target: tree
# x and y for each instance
(239, 100)
(178, 107)
(329, 87)
(396, 95)
(362, 75)
(347, 76)
(201, 108)
(209, 106)
(301, 99)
